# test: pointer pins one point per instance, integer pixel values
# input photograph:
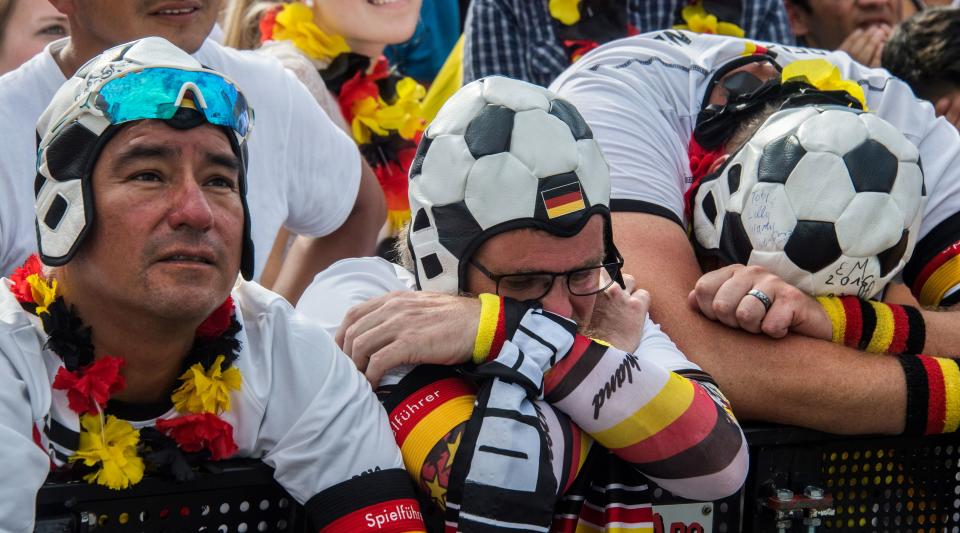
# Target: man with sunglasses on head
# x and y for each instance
(524, 382)
(131, 346)
(668, 110)
(305, 175)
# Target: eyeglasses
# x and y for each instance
(157, 93)
(536, 285)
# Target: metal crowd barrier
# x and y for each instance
(238, 496)
(800, 481)
(803, 481)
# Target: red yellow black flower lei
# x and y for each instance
(583, 25)
(386, 118)
(111, 450)
(384, 109)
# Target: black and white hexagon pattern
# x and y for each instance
(829, 198)
(483, 159)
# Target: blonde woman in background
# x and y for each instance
(335, 47)
(26, 26)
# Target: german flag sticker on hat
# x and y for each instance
(563, 200)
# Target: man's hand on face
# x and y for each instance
(949, 108)
(865, 45)
(619, 314)
(724, 295)
(409, 328)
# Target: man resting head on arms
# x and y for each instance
(829, 199)
(131, 346)
(506, 414)
(644, 97)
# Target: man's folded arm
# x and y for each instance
(328, 439)
(428, 409)
(675, 430)
(795, 380)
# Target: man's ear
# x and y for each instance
(66, 7)
(799, 18)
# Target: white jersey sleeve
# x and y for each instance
(657, 347)
(24, 94)
(347, 283)
(323, 430)
(24, 402)
(641, 96)
(317, 404)
(323, 164)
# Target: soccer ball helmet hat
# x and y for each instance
(145, 79)
(829, 198)
(500, 155)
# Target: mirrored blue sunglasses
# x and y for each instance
(157, 93)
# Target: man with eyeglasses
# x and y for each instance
(506, 415)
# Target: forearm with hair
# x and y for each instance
(933, 383)
(794, 380)
(942, 324)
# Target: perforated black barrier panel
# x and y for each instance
(799, 481)
(677, 515)
(229, 497)
(868, 484)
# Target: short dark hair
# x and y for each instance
(924, 51)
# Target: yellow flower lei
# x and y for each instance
(368, 114)
(113, 444)
(566, 11)
(825, 76)
(295, 23)
(206, 392)
(44, 293)
(405, 116)
(698, 20)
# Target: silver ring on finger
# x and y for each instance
(762, 296)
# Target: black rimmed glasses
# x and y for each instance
(535, 285)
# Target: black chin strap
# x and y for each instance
(747, 93)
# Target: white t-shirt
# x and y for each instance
(304, 172)
(641, 96)
(306, 70)
(303, 408)
(349, 282)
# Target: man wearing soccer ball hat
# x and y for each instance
(130, 346)
(506, 415)
(669, 108)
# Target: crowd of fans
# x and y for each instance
(229, 227)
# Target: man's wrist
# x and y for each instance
(873, 326)
(491, 331)
(933, 394)
(499, 319)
